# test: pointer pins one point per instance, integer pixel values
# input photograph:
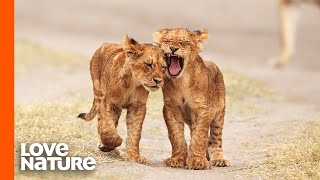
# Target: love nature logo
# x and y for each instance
(42, 156)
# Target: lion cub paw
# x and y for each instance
(197, 163)
(137, 158)
(175, 162)
(220, 162)
(108, 143)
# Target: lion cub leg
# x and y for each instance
(199, 139)
(175, 124)
(107, 127)
(215, 151)
(135, 118)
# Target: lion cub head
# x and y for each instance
(146, 63)
(180, 46)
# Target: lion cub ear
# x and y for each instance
(159, 34)
(130, 47)
(199, 36)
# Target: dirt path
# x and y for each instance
(249, 128)
(244, 45)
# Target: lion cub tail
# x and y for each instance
(93, 112)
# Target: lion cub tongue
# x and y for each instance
(175, 67)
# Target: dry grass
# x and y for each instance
(245, 96)
(295, 158)
(239, 87)
(57, 122)
(30, 56)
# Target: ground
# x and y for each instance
(257, 119)
(272, 120)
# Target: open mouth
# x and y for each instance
(175, 64)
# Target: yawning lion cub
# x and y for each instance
(194, 93)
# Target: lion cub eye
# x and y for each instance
(163, 67)
(148, 65)
(184, 42)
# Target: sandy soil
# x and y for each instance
(243, 38)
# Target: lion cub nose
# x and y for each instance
(157, 80)
(174, 49)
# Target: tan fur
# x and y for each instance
(195, 97)
(288, 13)
(122, 75)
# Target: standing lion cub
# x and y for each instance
(122, 77)
(194, 93)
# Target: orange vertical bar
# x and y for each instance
(7, 89)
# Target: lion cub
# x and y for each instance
(122, 77)
(194, 93)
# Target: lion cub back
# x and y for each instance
(106, 53)
(101, 58)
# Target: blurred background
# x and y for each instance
(244, 34)
(269, 111)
